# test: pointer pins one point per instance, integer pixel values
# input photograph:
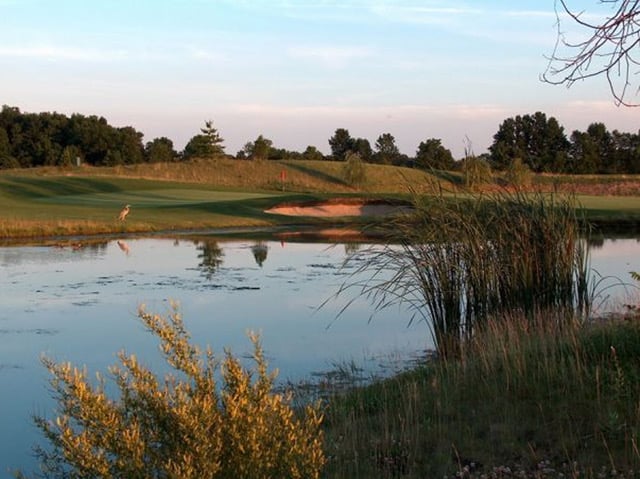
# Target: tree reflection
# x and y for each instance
(210, 256)
(259, 251)
(352, 248)
(595, 242)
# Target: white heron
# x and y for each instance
(123, 214)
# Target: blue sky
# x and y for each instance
(295, 70)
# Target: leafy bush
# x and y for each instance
(353, 171)
(476, 172)
(182, 427)
(518, 173)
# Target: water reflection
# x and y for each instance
(79, 304)
(352, 248)
(260, 250)
(210, 256)
(124, 247)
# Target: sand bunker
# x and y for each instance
(336, 209)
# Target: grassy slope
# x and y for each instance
(194, 195)
(224, 193)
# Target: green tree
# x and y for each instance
(605, 146)
(5, 145)
(386, 150)
(207, 144)
(627, 151)
(362, 147)
(70, 156)
(213, 137)
(185, 426)
(92, 135)
(127, 144)
(160, 150)
(38, 139)
(432, 155)
(584, 157)
(6, 158)
(259, 149)
(197, 147)
(594, 151)
(312, 153)
(341, 143)
(540, 142)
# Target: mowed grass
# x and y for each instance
(57, 205)
(193, 195)
(223, 193)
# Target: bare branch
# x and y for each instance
(610, 50)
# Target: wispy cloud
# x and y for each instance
(206, 55)
(529, 13)
(62, 53)
(329, 56)
(450, 110)
(423, 14)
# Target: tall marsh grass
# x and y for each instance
(460, 261)
(531, 399)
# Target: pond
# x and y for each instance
(79, 302)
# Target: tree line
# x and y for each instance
(538, 142)
(48, 139)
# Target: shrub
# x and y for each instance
(184, 426)
(476, 172)
(353, 171)
(518, 173)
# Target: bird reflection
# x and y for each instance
(124, 247)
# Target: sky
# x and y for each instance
(296, 70)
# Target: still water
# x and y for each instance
(80, 304)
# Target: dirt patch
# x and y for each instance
(340, 209)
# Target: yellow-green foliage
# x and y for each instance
(184, 426)
(476, 172)
(353, 170)
(518, 173)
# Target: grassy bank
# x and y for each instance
(184, 196)
(226, 193)
(523, 402)
(524, 384)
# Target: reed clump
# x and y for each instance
(459, 260)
